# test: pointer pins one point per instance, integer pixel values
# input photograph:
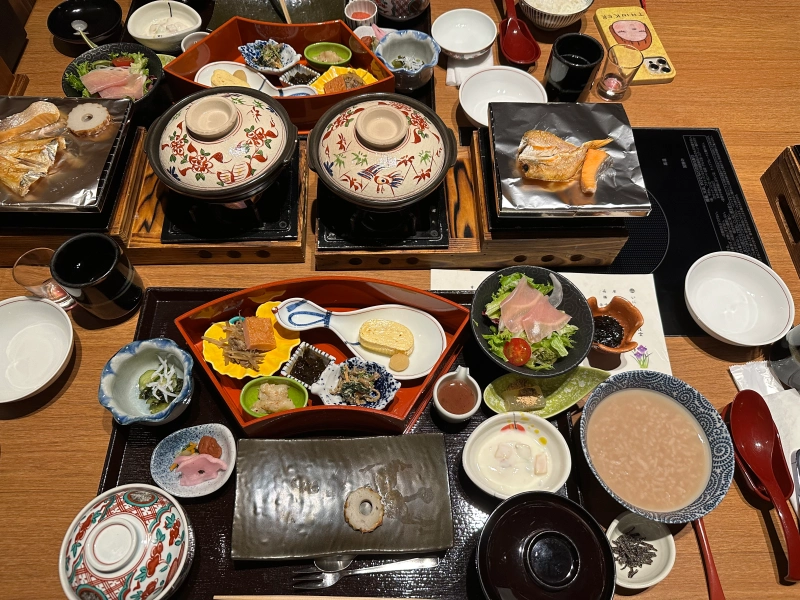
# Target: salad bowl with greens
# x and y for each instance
(542, 330)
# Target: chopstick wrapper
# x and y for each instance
(785, 409)
(459, 70)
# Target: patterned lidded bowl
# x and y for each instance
(133, 541)
(719, 440)
(348, 150)
(222, 144)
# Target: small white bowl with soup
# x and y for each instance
(516, 452)
(657, 446)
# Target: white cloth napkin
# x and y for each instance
(459, 70)
(785, 409)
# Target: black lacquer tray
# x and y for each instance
(214, 572)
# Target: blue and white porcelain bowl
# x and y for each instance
(164, 456)
(252, 56)
(409, 43)
(386, 384)
(719, 440)
(119, 382)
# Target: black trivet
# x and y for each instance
(270, 217)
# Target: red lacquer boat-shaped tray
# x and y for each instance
(335, 294)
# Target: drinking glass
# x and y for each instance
(571, 67)
(32, 271)
(622, 63)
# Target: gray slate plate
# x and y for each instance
(290, 496)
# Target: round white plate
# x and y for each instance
(254, 78)
(655, 534)
(35, 346)
(168, 448)
(497, 84)
(559, 465)
(738, 299)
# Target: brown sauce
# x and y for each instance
(456, 397)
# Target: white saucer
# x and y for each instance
(35, 345)
(254, 78)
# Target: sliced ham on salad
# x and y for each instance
(101, 79)
(529, 310)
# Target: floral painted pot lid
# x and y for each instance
(356, 168)
(221, 144)
(133, 539)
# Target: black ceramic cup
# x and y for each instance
(92, 268)
(573, 63)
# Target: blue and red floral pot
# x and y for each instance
(381, 179)
(229, 168)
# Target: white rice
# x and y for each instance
(559, 7)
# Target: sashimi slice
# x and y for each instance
(517, 304)
(101, 79)
(133, 88)
(542, 320)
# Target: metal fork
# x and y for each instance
(323, 580)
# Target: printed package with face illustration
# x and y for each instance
(630, 25)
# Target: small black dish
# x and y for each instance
(538, 545)
(102, 17)
(104, 53)
(574, 304)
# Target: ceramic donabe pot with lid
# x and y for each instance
(381, 151)
(222, 144)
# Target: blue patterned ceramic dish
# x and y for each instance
(386, 384)
(719, 439)
(166, 451)
(119, 382)
(252, 56)
(409, 43)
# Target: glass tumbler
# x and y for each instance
(32, 271)
(622, 63)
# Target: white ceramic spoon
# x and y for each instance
(299, 314)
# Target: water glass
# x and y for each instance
(622, 63)
(571, 67)
(32, 271)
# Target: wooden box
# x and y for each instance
(781, 182)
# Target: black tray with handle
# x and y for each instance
(215, 573)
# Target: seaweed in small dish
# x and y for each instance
(307, 364)
(299, 75)
(269, 56)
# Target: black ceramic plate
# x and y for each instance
(102, 17)
(541, 546)
(104, 53)
(574, 304)
(290, 496)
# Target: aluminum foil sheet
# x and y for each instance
(78, 181)
(620, 187)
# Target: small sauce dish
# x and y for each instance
(653, 533)
(460, 375)
(623, 312)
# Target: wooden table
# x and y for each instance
(731, 74)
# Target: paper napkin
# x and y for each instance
(459, 70)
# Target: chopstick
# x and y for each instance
(293, 597)
(285, 12)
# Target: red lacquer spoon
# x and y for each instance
(516, 40)
(712, 577)
(757, 440)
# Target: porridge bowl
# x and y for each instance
(640, 419)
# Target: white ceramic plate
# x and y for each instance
(254, 78)
(35, 346)
(367, 30)
(653, 533)
(497, 84)
(559, 463)
(166, 451)
(738, 299)
(299, 314)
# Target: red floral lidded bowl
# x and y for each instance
(132, 537)
(381, 151)
(222, 144)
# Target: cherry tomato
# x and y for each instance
(122, 61)
(517, 351)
